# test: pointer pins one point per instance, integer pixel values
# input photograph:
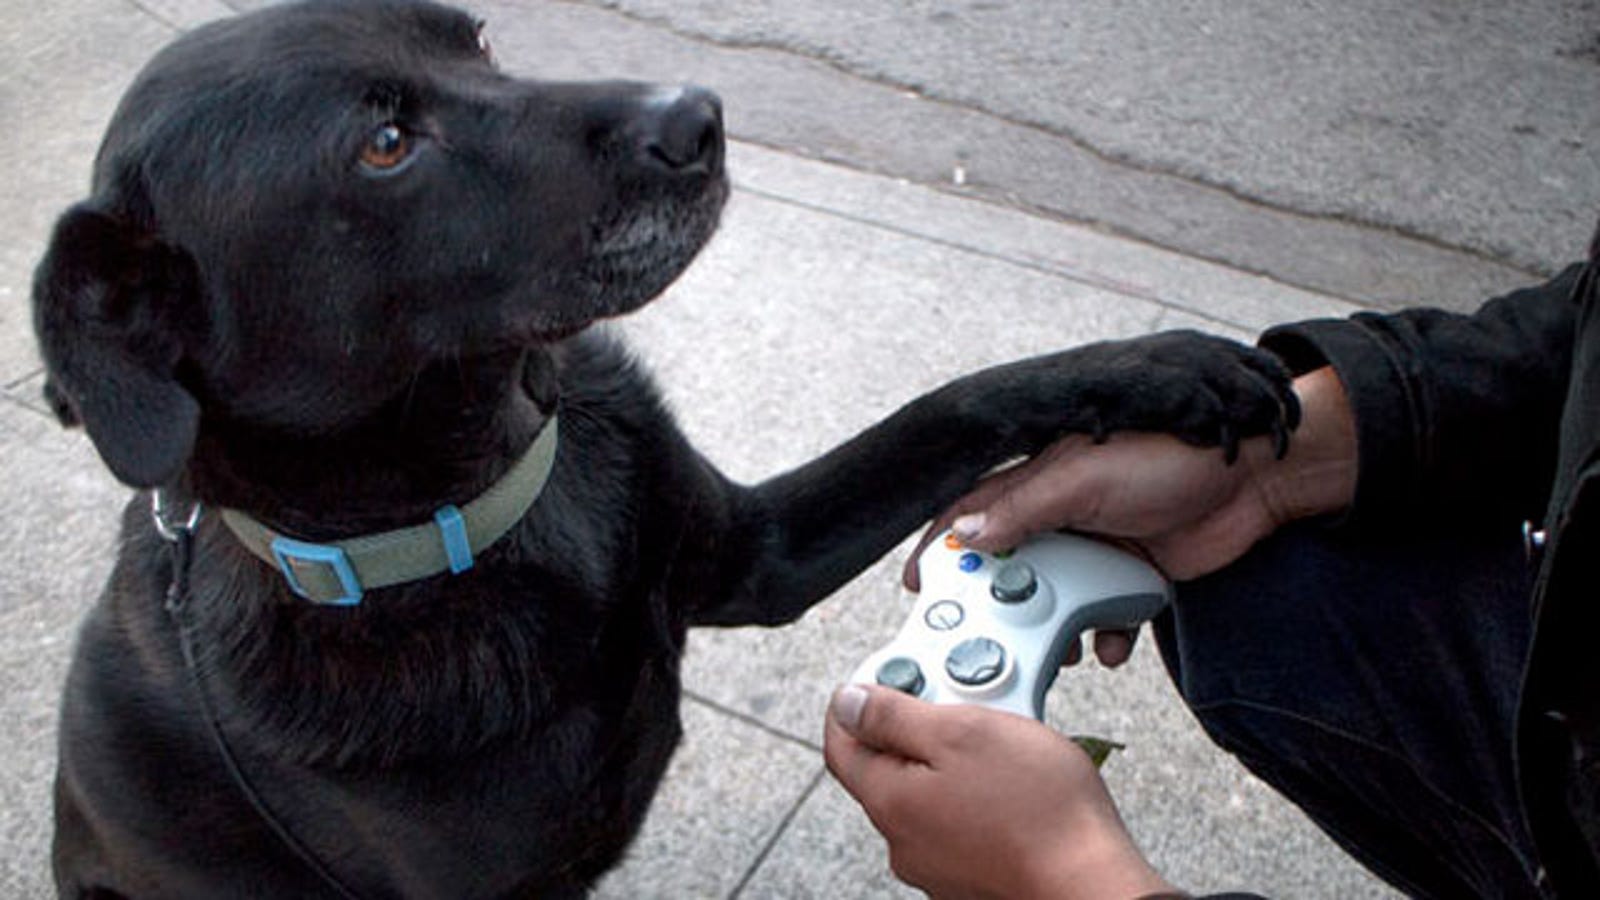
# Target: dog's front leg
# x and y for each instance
(786, 544)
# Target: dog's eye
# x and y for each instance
(386, 148)
(484, 50)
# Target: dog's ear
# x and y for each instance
(108, 299)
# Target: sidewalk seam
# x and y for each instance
(19, 403)
(777, 835)
(750, 720)
(16, 382)
(1059, 271)
(170, 25)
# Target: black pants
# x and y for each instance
(1373, 681)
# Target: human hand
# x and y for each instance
(1183, 506)
(980, 803)
(1186, 508)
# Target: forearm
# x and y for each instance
(1318, 475)
(1097, 863)
(1456, 415)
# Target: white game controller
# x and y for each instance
(993, 629)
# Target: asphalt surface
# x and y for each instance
(921, 189)
(1389, 153)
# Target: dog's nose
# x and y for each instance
(687, 133)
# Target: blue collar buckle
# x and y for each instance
(290, 552)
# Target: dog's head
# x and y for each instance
(295, 211)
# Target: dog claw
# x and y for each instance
(1229, 439)
(1280, 440)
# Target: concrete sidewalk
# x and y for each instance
(839, 296)
(829, 298)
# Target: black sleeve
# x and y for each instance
(1456, 415)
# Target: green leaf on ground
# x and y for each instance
(1099, 749)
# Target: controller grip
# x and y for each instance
(1118, 613)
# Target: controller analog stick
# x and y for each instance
(1016, 582)
(902, 674)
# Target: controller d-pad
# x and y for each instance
(976, 661)
(944, 615)
(904, 675)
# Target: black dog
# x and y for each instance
(330, 283)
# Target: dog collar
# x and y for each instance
(339, 572)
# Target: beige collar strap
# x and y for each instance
(339, 572)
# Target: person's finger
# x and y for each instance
(980, 496)
(1041, 495)
(1074, 653)
(887, 721)
(874, 778)
(850, 761)
(1113, 648)
(875, 742)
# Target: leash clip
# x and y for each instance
(164, 521)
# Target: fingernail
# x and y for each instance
(848, 702)
(968, 526)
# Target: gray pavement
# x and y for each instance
(921, 189)
(1386, 152)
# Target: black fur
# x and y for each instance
(249, 312)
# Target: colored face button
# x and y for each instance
(970, 562)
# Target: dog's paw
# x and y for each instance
(1205, 390)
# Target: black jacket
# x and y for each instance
(1496, 417)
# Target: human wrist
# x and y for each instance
(1097, 863)
(1318, 474)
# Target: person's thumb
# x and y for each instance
(1007, 521)
(1043, 494)
(885, 720)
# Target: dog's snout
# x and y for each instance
(686, 132)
